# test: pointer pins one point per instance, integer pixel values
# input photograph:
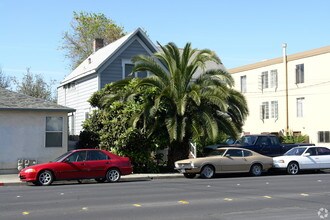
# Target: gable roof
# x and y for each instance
(15, 101)
(98, 58)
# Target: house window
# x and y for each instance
(128, 67)
(264, 111)
(273, 79)
(300, 107)
(274, 109)
(243, 84)
(54, 131)
(264, 80)
(300, 73)
(71, 124)
(323, 136)
(127, 70)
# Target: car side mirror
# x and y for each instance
(306, 154)
(66, 160)
(227, 155)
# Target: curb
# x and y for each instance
(123, 179)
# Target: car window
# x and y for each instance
(247, 153)
(263, 141)
(234, 153)
(96, 155)
(77, 156)
(323, 151)
(296, 151)
(218, 152)
(312, 151)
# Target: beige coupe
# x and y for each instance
(225, 160)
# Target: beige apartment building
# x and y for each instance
(289, 93)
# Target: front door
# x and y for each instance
(311, 161)
(234, 161)
(73, 167)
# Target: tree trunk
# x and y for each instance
(177, 151)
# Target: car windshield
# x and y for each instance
(295, 151)
(218, 152)
(60, 158)
(247, 140)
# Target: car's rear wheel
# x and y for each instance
(113, 175)
(293, 168)
(189, 175)
(256, 170)
(45, 178)
(207, 172)
(100, 180)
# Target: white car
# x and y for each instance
(303, 158)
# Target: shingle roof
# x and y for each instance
(14, 101)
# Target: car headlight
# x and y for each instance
(192, 165)
(30, 170)
(279, 161)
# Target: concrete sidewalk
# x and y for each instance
(13, 179)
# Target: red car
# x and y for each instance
(79, 164)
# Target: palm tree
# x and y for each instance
(187, 108)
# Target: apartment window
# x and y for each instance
(243, 84)
(54, 131)
(300, 107)
(323, 136)
(300, 73)
(264, 111)
(264, 80)
(274, 109)
(273, 79)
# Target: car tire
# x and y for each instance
(256, 169)
(207, 172)
(293, 168)
(189, 175)
(100, 180)
(45, 178)
(113, 175)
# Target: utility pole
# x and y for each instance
(285, 62)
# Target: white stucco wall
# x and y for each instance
(315, 90)
(22, 135)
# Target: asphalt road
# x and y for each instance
(305, 196)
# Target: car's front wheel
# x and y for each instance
(113, 175)
(207, 172)
(293, 168)
(189, 175)
(45, 178)
(256, 170)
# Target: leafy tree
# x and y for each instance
(4, 80)
(110, 126)
(78, 43)
(34, 85)
(188, 109)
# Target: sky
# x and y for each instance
(240, 31)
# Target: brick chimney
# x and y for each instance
(97, 44)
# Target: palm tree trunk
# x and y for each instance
(178, 150)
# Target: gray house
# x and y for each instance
(30, 129)
(107, 64)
